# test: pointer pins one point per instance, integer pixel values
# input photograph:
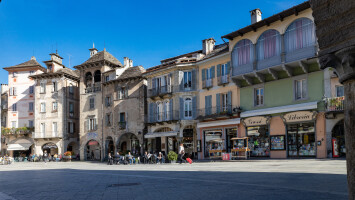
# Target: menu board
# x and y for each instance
(277, 142)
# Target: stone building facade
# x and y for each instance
(56, 109)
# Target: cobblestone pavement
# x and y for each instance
(255, 179)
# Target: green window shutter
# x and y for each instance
(218, 102)
(218, 70)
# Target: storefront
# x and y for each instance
(301, 134)
(257, 131)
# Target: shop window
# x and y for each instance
(230, 133)
(213, 142)
(339, 91)
(278, 142)
(259, 143)
(301, 140)
(259, 96)
(300, 89)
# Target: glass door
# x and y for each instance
(301, 140)
(292, 140)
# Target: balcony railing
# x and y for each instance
(208, 83)
(94, 88)
(122, 125)
(166, 89)
(334, 104)
(163, 116)
(17, 131)
(223, 79)
(47, 134)
(212, 112)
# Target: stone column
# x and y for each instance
(344, 63)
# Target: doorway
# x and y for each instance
(339, 137)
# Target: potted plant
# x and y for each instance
(67, 155)
(172, 156)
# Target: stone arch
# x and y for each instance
(73, 147)
(92, 150)
(338, 134)
(88, 79)
(129, 142)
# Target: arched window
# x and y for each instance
(97, 76)
(188, 107)
(243, 53)
(88, 79)
(269, 44)
(299, 34)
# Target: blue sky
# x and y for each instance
(145, 31)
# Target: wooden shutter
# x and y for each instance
(218, 103)
(194, 107)
(203, 74)
(194, 79)
(171, 110)
(228, 68)
(212, 71)
(181, 108)
(218, 70)
(229, 102)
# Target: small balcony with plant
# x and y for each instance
(334, 104)
(17, 131)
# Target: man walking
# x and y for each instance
(181, 152)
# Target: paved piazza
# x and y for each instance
(255, 179)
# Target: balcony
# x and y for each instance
(17, 131)
(208, 83)
(222, 80)
(47, 134)
(163, 117)
(122, 125)
(160, 91)
(216, 112)
(94, 88)
(334, 104)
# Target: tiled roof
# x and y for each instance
(132, 72)
(64, 71)
(103, 56)
(30, 63)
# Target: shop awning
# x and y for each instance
(17, 147)
(280, 109)
(234, 121)
(160, 134)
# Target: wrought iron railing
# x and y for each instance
(163, 116)
(215, 111)
(166, 89)
(223, 79)
(208, 83)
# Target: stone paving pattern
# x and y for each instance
(255, 179)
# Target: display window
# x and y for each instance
(278, 142)
(213, 141)
(230, 133)
(301, 140)
(259, 140)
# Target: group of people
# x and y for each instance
(5, 160)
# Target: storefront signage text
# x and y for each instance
(299, 116)
(255, 121)
(90, 136)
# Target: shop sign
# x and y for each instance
(91, 136)
(255, 121)
(299, 116)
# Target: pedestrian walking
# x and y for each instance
(181, 152)
(45, 156)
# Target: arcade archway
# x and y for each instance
(93, 150)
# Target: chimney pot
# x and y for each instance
(208, 45)
(255, 15)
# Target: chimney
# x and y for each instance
(56, 57)
(208, 45)
(125, 62)
(93, 50)
(130, 63)
(33, 58)
(255, 15)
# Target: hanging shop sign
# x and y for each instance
(255, 121)
(300, 116)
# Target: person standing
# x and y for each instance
(181, 152)
(45, 156)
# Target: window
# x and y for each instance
(14, 74)
(12, 91)
(71, 109)
(259, 96)
(14, 124)
(299, 34)
(122, 117)
(108, 119)
(30, 106)
(30, 123)
(31, 89)
(71, 89)
(92, 124)
(160, 111)
(92, 103)
(55, 106)
(224, 102)
(43, 107)
(243, 53)
(269, 44)
(14, 107)
(187, 80)
(54, 129)
(167, 110)
(55, 87)
(42, 88)
(108, 101)
(339, 91)
(107, 78)
(224, 69)
(71, 126)
(43, 129)
(123, 93)
(188, 108)
(300, 89)
(32, 72)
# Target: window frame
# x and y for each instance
(42, 87)
(91, 104)
(336, 90)
(54, 106)
(260, 102)
(43, 107)
(295, 88)
(188, 105)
